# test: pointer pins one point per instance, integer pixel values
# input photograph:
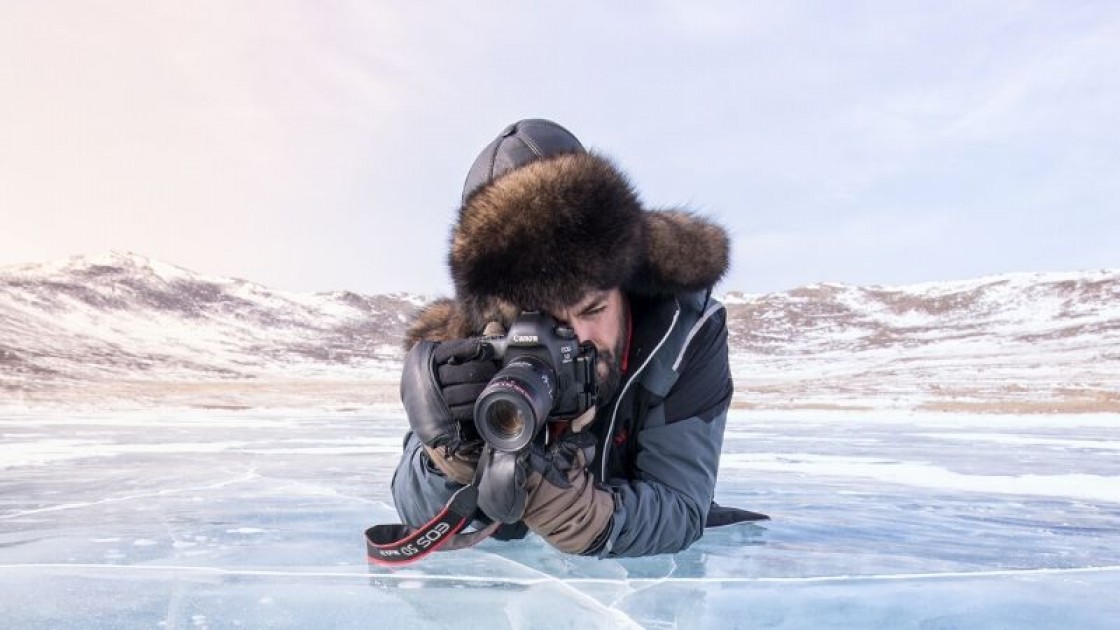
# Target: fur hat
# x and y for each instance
(544, 220)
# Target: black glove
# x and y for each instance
(439, 385)
(551, 490)
(463, 369)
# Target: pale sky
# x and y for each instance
(317, 146)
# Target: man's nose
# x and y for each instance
(583, 331)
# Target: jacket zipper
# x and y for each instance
(609, 435)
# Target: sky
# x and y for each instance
(321, 146)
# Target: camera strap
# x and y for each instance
(396, 545)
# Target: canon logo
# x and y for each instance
(524, 338)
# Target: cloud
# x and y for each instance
(227, 132)
(883, 234)
(1058, 83)
(321, 146)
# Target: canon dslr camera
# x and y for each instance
(546, 374)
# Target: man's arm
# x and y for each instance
(664, 509)
(420, 490)
(439, 385)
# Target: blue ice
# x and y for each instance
(165, 518)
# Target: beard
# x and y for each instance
(609, 369)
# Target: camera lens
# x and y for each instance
(515, 404)
(505, 418)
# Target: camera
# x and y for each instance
(546, 375)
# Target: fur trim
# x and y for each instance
(542, 235)
(684, 252)
(438, 321)
(444, 319)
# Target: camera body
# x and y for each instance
(546, 375)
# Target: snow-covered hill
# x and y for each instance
(120, 326)
(1014, 342)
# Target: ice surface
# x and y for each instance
(218, 519)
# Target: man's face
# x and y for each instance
(600, 317)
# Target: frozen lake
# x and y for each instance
(219, 519)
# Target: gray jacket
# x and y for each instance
(659, 438)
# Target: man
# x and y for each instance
(547, 225)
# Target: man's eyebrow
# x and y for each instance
(595, 302)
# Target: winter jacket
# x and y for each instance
(659, 438)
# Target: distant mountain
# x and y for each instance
(1014, 342)
(120, 326)
(124, 317)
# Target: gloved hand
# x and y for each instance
(439, 385)
(551, 490)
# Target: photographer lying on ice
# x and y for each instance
(552, 241)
